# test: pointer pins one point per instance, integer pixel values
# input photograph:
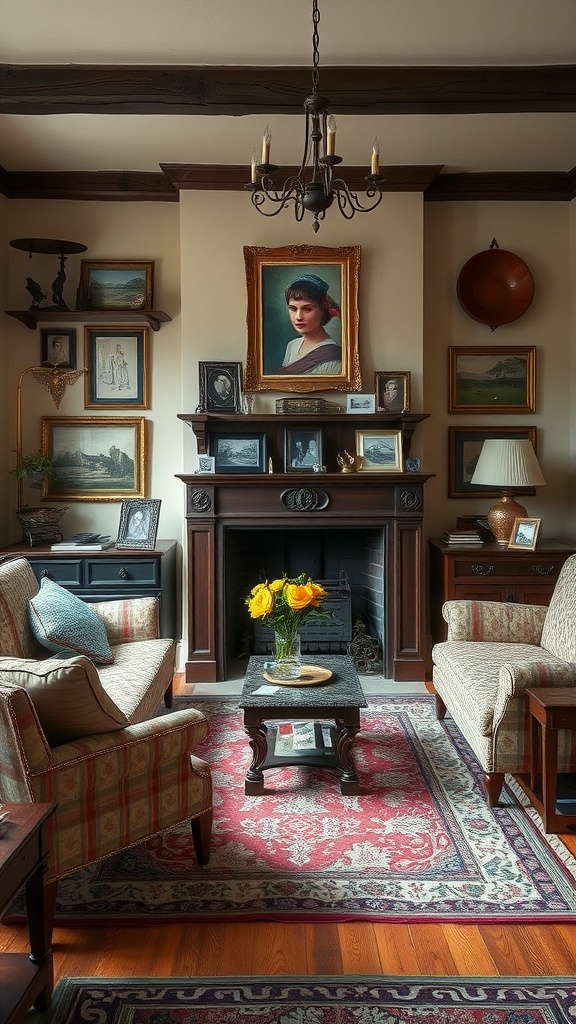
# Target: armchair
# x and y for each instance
(494, 651)
(84, 736)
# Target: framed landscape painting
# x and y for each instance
(302, 318)
(464, 446)
(493, 379)
(96, 458)
(116, 284)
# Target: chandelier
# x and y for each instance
(313, 188)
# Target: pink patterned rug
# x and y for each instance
(355, 999)
(418, 844)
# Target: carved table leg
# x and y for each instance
(345, 733)
(254, 784)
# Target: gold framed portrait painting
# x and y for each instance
(302, 318)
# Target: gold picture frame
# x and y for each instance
(95, 458)
(380, 451)
(331, 276)
(525, 534)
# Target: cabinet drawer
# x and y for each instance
(68, 572)
(538, 567)
(122, 572)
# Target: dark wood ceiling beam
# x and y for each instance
(123, 186)
(168, 89)
(523, 186)
(229, 178)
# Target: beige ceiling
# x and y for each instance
(275, 33)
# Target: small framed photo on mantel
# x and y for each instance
(360, 403)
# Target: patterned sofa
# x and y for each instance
(495, 651)
(85, 736)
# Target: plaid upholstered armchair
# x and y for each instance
(494, 652)
(85, 737)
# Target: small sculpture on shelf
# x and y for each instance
(348, 463)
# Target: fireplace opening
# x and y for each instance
(350, 560)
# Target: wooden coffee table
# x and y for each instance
(339, 700)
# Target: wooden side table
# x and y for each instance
(550, 709)
(25, 980)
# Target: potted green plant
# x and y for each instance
(36, 468)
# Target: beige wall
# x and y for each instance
(540, 234)
(409, 317)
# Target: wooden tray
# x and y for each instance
(311, 675)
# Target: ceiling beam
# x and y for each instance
(169, 89)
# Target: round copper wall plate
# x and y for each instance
(495, 287)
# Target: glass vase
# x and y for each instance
(286, 656)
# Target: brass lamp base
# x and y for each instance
(502, 515)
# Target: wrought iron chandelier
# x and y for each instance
(313, 188)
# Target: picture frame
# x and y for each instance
(138, 527)
(492, 379)
(206, 464)
(360, 403)
(271, 334)
(116, 361)
(464, 445)
(303, 450)
(96, 458)
(58, 347)
(379, 450)
(525, 534)
(116, 284)
(392, 388)
(243, 452)
(220, 387)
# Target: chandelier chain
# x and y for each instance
(315, 46)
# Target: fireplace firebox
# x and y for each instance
(364, 528)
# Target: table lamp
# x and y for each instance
(508, 465)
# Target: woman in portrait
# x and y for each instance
(310, 308)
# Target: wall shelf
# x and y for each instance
(32, 317)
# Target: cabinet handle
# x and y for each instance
(543, 570)
(482, 570)
(123, 573)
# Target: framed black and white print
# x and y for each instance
(302, 450)
(239, 453)
(58, 347)
(220, 387)
(464, 447)
(380, 450)
(139, 523)
(116, 361)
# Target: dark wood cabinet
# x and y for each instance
(492, 572)
(25, 980)
(111, 575)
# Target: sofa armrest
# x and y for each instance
(494, 621)
(117, 789)
(133, 618)
(514, 680)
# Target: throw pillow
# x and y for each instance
(67, 695)
(60, 621)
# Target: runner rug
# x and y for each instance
(418, 844)
(327, 1000)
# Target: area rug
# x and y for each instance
(355, 999)
(418, 844)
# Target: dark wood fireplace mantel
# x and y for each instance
(216, 503)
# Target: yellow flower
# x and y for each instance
(318, 593)
(277, 585)
(299, 596)
(261, 603)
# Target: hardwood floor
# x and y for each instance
(277, 948)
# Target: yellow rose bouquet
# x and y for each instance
(284, 603)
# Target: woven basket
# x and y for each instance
(30, 517)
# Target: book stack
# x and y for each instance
(462, 538)
(84, 542)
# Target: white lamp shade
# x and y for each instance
(506, 463)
